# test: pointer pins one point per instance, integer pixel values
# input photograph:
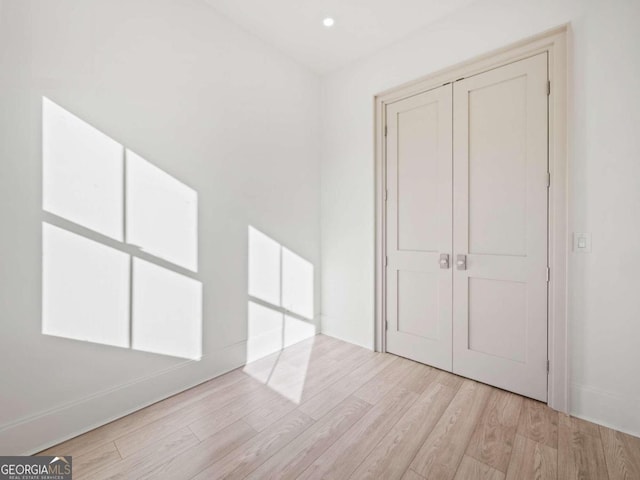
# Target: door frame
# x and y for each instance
(554, 42)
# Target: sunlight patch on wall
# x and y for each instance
(264, 267)
(118, 262)
(296, 330)
(85, 291)
(279, 309)
(265, 333)
(270, 331)
(82, 172)
(297, 284)
(167, 312)
(278, 276)
(162, 213)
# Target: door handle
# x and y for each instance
(461, 262)
(444, 260)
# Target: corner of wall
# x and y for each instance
(328, 328)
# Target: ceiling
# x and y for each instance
(361, 26)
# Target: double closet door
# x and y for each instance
(466, 227)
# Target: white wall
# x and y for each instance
(195, 96)
(604, 176)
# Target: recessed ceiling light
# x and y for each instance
(328, 22)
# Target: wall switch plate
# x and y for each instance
(582, 242)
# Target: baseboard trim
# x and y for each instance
(605, 408)
(42, 430)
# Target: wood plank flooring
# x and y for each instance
(326, 409)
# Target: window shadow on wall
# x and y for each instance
(280, 310)
(120, 244)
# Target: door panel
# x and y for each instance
(497, 183)
(417, 185)
(418, 304)
(419, 212)
(500, 224)
(498, 306)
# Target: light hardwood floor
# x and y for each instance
(328, 409)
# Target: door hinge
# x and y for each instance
(548, 179)
(386, 325)
(386, 194)
(548, 87)
(385, 130)
(548, 367)
(386, 260)
(548, 274)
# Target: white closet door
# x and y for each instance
(419, 209)
(500, 225)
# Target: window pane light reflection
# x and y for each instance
(82, 172)
(167, 312)
(297, 284)
(264, 267)
(269, 332)
(280, 287)
(162, 213)
(95, 286)
(85, 289)
(278, 276)
(265, 331)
